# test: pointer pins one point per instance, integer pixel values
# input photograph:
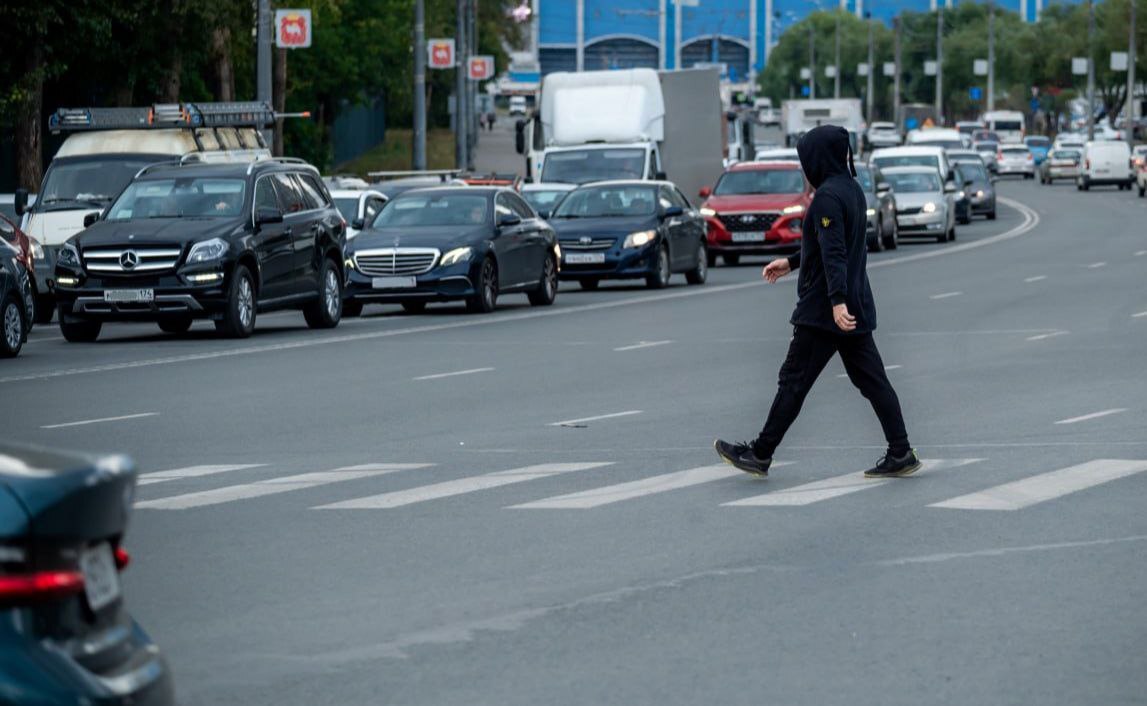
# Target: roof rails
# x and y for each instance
(281, 160)
(164, 116)
(443, 174)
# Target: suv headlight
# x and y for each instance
(37, 249)
(929, 207)
(208, 251)
(708, 212)
(639, 239)
(455, 256)
(69, 255)
(790, 210)
(871, 212)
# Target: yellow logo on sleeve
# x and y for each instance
(825, 222)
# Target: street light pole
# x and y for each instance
(836, 71)
(1131, 69)
(939, 64)
(418, 158)
(461, 121)
(871, 71)
(1090, 70)
(263, 40)
(991, 55)
(896, 78)
(811, 62)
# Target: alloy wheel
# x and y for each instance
(13, 326)
(246, 303)
(331, 294)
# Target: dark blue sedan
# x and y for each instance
(630, 230)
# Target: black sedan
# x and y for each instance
(979, 189)
(882, 229)
(65, 636)
(630, 230)
(452, 243)
(16, 311)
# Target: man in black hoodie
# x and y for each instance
(835, 312)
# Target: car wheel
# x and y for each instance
(588, 283)
(485, 299)
(12, 321)
(660, 277)
(45, 307)
(877, 243)
(414, 307)
(80, 331)
(1086, 184)
(1142, 190)
(326, 311)
(239, 317)
(731, 260)
(175, 325)
(700, 273)
(893, 241)
(547, 290)
(992, 215)
(352, 308)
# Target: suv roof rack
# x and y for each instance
(164, 116)
(281, 160)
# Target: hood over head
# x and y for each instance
(826, 151)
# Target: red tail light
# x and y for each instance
(122, 558)
(42, 585)
(1030, 156)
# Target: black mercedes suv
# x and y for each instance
(218, 241)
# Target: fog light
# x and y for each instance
(205, 277)
(67, 281)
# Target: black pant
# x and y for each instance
(809, 351)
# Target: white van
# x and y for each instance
(1007, 124)
(517, 105)
(1106, 163)
(106, 147)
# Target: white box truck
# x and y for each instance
(800, 116)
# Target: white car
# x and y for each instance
(358, 207)
(925, 205)
(780, 154)
(937, 136)
(1069, 141)
(919, 156)
(544, 197)
(882, 135)
(517, 105)
(1107, 162)
(1015, 159)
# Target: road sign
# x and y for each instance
(805, 73)
(440, 53)
(804, 90)
(293, 29)
(980, 67)
(890, 68)
(1079, 65)
(976, 93)
(1118, 61)
(929, 68)
(1034, 105)
(480, 68)
(862, 69)
(830, 71)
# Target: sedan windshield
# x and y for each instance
(985, 146)
(1038, 142)
(543, 200)
(760, 181)
(415, 209)
(973, 171)
(920, 160)
(916, 183)
(584, 166)
(95, 180)
(187, 197)
(608, 202)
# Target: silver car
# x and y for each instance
(1016, 159)
(925, 205)
(1060, 164)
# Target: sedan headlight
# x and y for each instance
(871, 212)
(69, 255)
(790, 210)
(37, 249)
(708, 212)
(208, 251)
(929, 207)
(639, 239)
(980, 194)
(455, 256)
(960, 195)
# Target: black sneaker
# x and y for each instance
(741, 456)
(891, 467)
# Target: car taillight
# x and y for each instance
(40, 586)
(122, 558)
(1029, 156)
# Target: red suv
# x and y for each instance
(756, 208)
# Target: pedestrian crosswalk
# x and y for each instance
(366, 484)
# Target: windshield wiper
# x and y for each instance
(93, 202)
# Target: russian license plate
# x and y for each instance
(129, 295)
(590, 258)
(101, 583)
(749, 237)
(393, 282)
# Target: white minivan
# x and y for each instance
(1107, 162)
(1007, 124)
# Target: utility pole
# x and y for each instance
(811, 61)
(472, 94)
(461, 119)
(263, 40)
(939, 64)
(836, 71)
(871, 71)
(1090, 70)
(418, 158)
(991, 55)
(896, 78)
(1131, 68)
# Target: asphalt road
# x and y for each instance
(335, 518)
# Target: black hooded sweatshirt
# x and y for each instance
(834, 249)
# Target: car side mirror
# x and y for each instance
(358, 223)
(883, 187)
(673, 212)
(507, 220)
(91, 218)
(661, 176)
(544, 215)
(265, 215)
(705, 192)
(20, 201)
(993, 179)
(949, 188)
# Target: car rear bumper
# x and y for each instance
(1004, 168)
(1102, 179)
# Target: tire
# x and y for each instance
(352, 308)
(589, 283)
(1086, 184)
(326, 311)
(45, 307)
(239, 317)
(992, 215)
(700, 273)
(80, 331)
(175, 325)
(13, 327)
(877, 243)
(942, 238)
(952, 233)
(1142, 191)
(414, 307)
(485, 299)
(893, 241)
(547, 290)
(731, 260)
(660, 277)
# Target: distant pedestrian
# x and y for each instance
(835, 312)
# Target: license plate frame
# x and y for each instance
(101, 579)
(749, 236)
(129, 296)
(584, 258)
(393, 282)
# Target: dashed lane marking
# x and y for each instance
(1139, 315)
(945, 295)
(1037, 278)
(1093, 415)
(643, 344)
(583, 420)
(192, 472)
(100, 420)
(1096, 265)
(1046, 486)
(1051, 334)
(456, 373)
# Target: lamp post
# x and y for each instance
(1090, 70)
(836, 60)
(418, 158)
(871, 71)
(896, 78)
(811, 61)
(991, 55)
(939, 64)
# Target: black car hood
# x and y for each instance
(622, 225)
(164, 231)
(442, 237)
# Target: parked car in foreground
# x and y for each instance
(979, 189)
(1061, 163)
(65, 634)
(469, 243)
(882, 232)
(222, 242)
(1015, 159)
(756, 209)
(923, 202)
(1107, 162)
(17, 306)
(630, 230)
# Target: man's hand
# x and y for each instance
(844, 320)
(776, 269)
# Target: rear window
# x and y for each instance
(1009, 125)
(1014, 150)
(1038, 141)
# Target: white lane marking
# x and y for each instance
(1030, 221)
(272, 486)
(643, 344)
(1046, 486)
(1043, 336)
(847, 484)
(886, 367)
(461, 486)
(98, 421)
(439, 376)
(1093, 415)
(1140, 253)
(1035, 279)
(606, 495)
(1003, 551)
(1095, 265)
(1139, 315)
(945, 295)
(192, 472)
(568, 422)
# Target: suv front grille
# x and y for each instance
(129, 260)
(592, 244)
(381, 262)
(748, 221)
